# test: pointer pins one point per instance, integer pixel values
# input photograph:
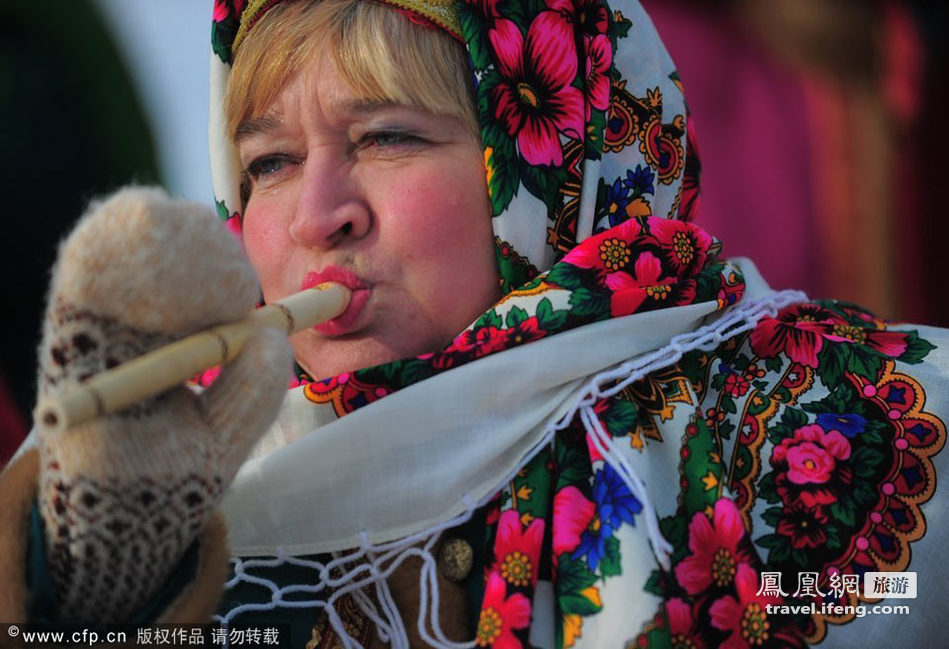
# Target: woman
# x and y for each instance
(617, 450)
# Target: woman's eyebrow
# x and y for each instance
(358, 106)
(254, 126)
(361, 106)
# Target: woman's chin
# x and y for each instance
(346, 353)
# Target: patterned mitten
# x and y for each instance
(123, 496)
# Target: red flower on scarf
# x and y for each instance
(516, 550)
(224, 8)
(646, 282)
(888, 343)
(629, 290)
(481, 341)
(685, 246)
(613, 250)
(472, 343)
(599, 58)
(573, 514)
(873, 333)
(809, 466)
(534, 100)
(714, 544)
(798, 331)
(525, 331)
(746, 617)
(490, 339)
(682, 627)
(501, 615)
(609, 250)
(736, 385)
(803, 525)
(812, 454)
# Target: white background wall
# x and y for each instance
(167, 45)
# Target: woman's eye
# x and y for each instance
(268, 166)
(389, 140)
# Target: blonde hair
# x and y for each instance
(377, 51)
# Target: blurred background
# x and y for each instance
(821, 131)
(819, 122)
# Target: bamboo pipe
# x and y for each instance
(172, 365)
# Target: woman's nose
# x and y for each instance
(331, 208)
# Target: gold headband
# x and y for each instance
(443, 13)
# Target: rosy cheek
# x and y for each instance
(267, 248)
(254, 239)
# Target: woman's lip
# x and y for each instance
(344, 322)
(343, 276)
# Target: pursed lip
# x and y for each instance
(361, 291)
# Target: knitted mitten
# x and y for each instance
(123, 496)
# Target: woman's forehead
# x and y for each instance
(341, 112)
(319, 91)
(383, 57)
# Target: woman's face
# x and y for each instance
(387, 199)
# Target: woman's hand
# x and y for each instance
(123, 496)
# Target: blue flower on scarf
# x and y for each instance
(850, 424)
(615, 505)
(614, 203)
(640, 180)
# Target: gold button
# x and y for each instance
(455, 559)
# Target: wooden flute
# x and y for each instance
(172, 365)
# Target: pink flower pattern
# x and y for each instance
(714, 545)
(797, 331)
(516, 550)
(501, 616)
(745, 617)
(811, 454)
(534, 100)
(598, 62)
(573, 513)
(811, 466)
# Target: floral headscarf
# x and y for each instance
(585, 136)
(583, 126)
